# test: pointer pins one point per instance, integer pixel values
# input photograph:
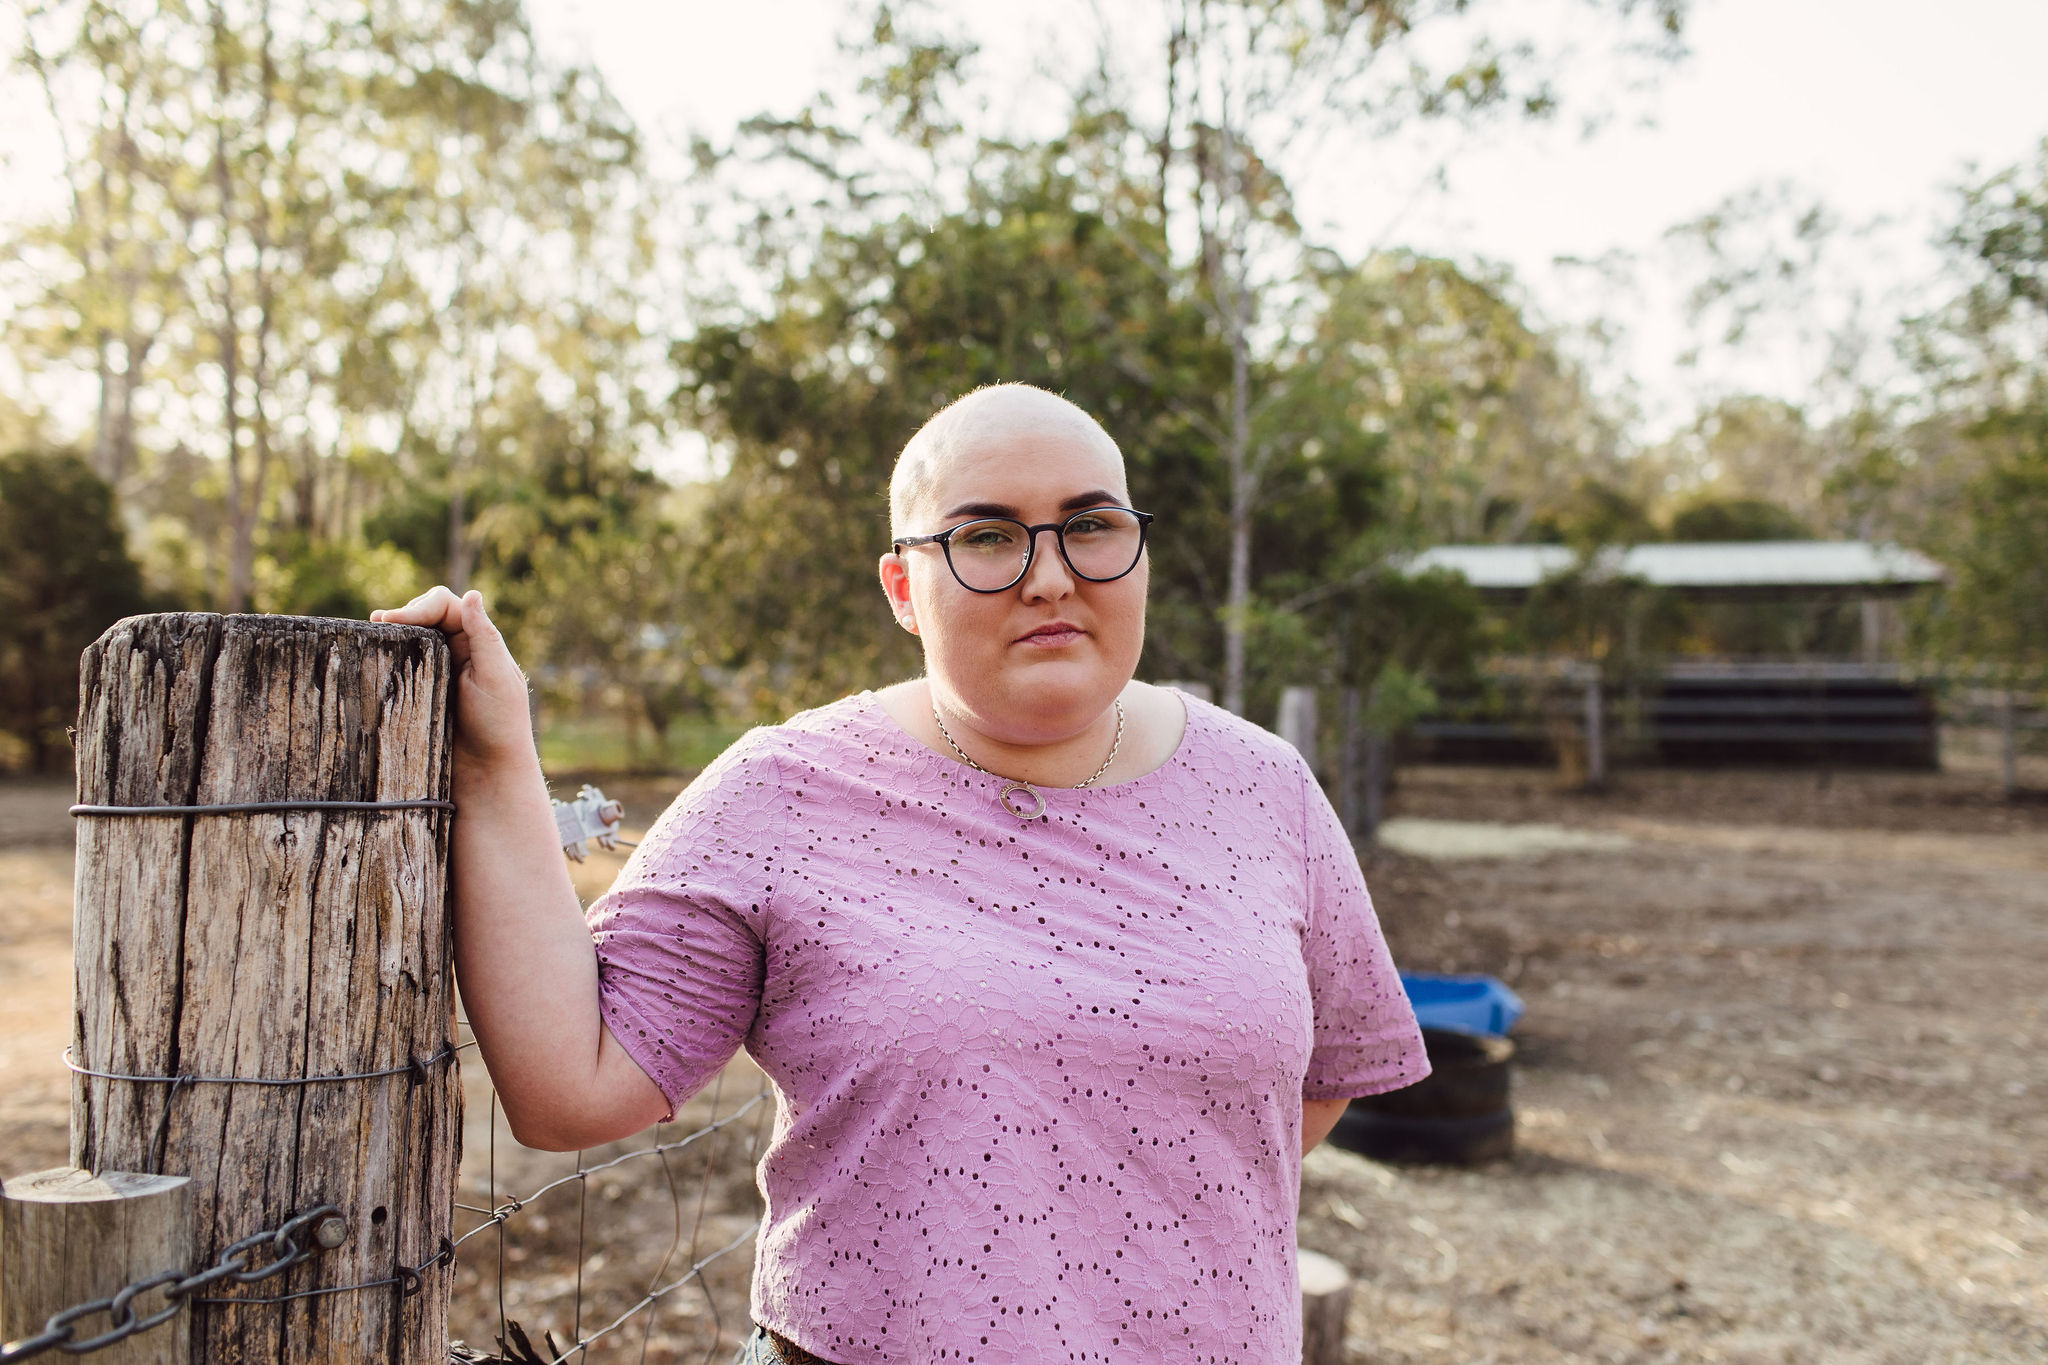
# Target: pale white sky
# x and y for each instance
(1878, 106)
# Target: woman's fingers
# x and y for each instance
(491, 711)
(476, 639)
(434, 607)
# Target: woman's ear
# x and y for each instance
(896, 587)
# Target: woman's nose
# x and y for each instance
(1047, 576)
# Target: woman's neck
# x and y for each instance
(1153, 720)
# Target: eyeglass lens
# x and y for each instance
(1101, 543)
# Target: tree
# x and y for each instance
(1249, 85)
(109, 266)
(1987, 356)
(869, 331)
(1736, 519)
(338, 253)
(65, 576)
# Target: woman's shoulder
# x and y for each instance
(804, 739)
(1234, 739)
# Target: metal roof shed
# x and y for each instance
(1759, 569)
(1723, 710)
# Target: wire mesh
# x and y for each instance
(639, 1251)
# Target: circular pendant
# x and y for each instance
(1027, 816)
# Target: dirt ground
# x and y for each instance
(1780, 1089)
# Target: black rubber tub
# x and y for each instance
(1460, 1114)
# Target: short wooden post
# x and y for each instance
(1349, 758)
(1596, 731)
(68, 1237)
(1377, 751)
(279, 945)
(1297, 721)
(2008, 745)
(1325, 1299)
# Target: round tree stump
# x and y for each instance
(1325, 1300)
(280, 945)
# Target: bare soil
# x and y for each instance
(1780, 1092)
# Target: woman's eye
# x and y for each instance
(1087, 525)
(986, 538)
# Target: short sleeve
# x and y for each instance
(1366, 1037)
(679, 935)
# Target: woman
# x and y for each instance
(1057, 974)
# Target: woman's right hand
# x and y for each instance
(562, 1078)
(492, 723)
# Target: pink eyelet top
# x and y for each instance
(1039, 1084)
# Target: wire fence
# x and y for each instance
(633, 1252)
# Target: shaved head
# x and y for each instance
(993, 412)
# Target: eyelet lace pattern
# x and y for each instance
(1039, 1087)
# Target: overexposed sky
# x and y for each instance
(1876, 106)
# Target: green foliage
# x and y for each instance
(1480, 425)
(1591, 515)
(1735, 519)
(65, 576)
(877, 330)
(375, 294)
(1618, 622)
(300, 576)
(1972, 483)
(1996, 608)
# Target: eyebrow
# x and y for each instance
(1094, 497)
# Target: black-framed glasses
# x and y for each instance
(1100, 544)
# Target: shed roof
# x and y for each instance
(1758, 567)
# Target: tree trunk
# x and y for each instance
(294, 944)
(1243, 490)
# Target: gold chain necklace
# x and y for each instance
(1018, 784)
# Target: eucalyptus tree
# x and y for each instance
(341, 252)
(99, 283)
(1987, 354)
(1248, 87)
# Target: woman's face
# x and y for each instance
(1038, 662)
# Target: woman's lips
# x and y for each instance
(1053, 635)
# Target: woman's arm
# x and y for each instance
(523, 956)
(1318, 1117)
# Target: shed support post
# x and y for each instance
(2008, 745)
(1596, 732)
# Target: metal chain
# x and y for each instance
(323, 1227)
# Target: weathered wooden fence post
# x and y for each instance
(69, 1237)
(263, 995)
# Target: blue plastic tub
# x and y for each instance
(1469, 1004)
